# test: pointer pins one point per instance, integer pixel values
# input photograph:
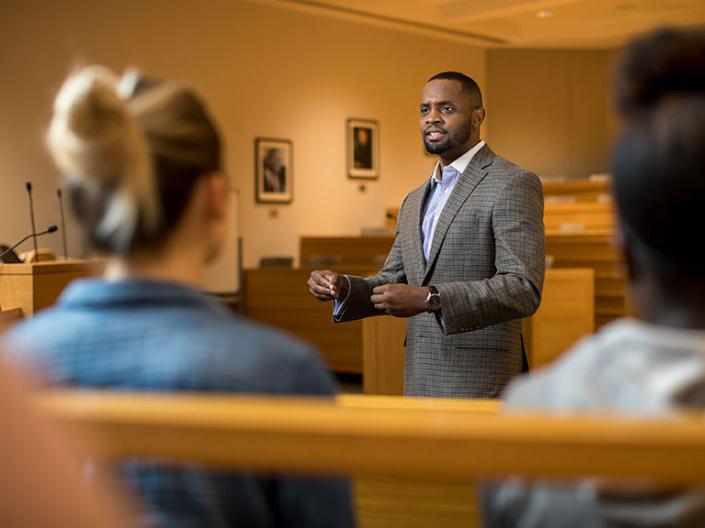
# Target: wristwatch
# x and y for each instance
(433, 299)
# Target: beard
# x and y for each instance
(452, 139)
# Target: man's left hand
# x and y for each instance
(400, 300)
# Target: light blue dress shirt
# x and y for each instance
(436, 201)
(442, 184)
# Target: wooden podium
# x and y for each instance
(565, 315)
(32, 287)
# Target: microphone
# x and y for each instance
(48, 230)
(63, 222)
(31, 214)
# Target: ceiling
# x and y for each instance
(518, 23)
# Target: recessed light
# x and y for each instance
(544, 14)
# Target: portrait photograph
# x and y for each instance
(363, 148)
(274, 170)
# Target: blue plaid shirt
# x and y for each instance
(155, 336)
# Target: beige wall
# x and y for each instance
(265, 72)
(549, 110)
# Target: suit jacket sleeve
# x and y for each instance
(515, 289)
(358, 304)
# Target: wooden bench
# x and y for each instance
(579, 217)
(582, 190)
(413, 461)
(594, 250)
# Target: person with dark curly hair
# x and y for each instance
(654, 364)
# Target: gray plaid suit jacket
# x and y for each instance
(487, 261)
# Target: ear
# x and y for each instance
(477, 116)
(216, 185)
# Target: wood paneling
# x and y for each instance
(280, 297)
(581, 190)
(387, 502)
(32, 287)
(597, 251)
(579, 217)
(349, 250)
(383, 355)
(566, 314)
(10, 317)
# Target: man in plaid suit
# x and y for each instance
(468, 258)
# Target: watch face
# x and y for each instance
(434, 302)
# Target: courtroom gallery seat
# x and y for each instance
(409, 457)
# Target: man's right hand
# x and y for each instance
(326, 285)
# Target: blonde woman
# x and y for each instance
(142, 163)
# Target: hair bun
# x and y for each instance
(95, 140)
(87, 132)
(669, 62)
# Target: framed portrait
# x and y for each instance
(274, 174)
(363, 148)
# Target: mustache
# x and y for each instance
(432, 128)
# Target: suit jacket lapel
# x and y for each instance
(474, 173)
(416, 203)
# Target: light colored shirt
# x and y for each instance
(630, 368)
(141, 335)
(442, 184)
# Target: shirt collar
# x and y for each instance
(459, 164)
(97, 292)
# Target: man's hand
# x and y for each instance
(326, 285)
(400, 300)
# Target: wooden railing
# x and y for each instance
(414, 462)
(428, 439)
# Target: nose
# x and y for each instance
(433, 116)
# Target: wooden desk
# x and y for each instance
(280, 297)
(32, 287)
(374, 346)
(566, 314)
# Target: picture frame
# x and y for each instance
(274, 170)
(363, 148)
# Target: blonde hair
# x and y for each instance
(131, 150)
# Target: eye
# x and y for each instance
(447, 108)
(424, 109)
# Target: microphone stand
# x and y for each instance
(31, 214)
(50, 229)
(63, 223)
